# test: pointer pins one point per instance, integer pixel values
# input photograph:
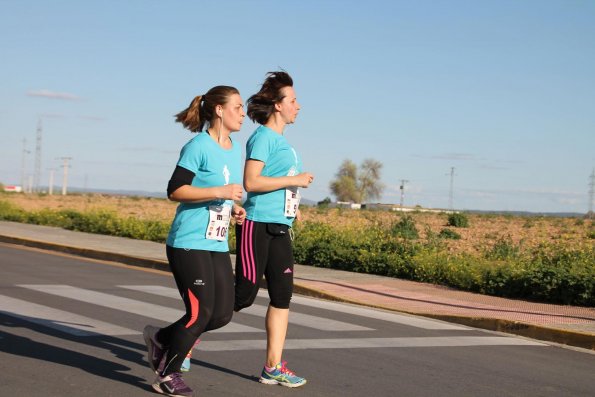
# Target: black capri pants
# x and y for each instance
(205, 282)
(263, 248)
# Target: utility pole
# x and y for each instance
(23, 157)
(65, 177)
(402, 187)
(451, 193)
(51, 182)
(591, 193)
(37, 171)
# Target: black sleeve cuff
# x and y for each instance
(179, 178)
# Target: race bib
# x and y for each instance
(292, 201)
(219, 216)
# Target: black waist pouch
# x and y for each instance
(277, 229)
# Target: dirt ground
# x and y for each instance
(126, 206)
(482, 233)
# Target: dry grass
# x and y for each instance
(146, 208)
(483, 230)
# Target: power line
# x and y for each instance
(23, 162)
(37, 171)
(451, 191)
(51, 181)
(591, 193)
(402, 187)
(65, 165)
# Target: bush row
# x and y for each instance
(100, 222)
(549, 273)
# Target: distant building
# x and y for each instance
(13, 188)
(347, 204)
(387, 207)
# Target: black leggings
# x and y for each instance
(205, 282)
(263, 248)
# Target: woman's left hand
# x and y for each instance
(238, 213)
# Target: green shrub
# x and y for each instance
(11, 213)
(324, 203)
(458, 219)
(231, 238)
(370, 250)
(503, 249)
(449, 234)
(434, 242)
(405, 228)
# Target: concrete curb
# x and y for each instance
(566, 337)
(88, 253)
(561, 336)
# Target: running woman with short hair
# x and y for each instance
(205, 182)
(272, 176)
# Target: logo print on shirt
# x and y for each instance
(288, 271)
(226, 174)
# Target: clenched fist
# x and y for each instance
(231, 192)
(304, 179)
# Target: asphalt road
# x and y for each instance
(72, 326)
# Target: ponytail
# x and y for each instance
(201, 110)
(190, 117)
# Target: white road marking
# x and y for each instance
(71, 323)
(304, 320)
(81, 325)
(397, 318)
(368, 343)
(164, 313)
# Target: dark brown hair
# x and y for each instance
(202, 108)
(261, 105)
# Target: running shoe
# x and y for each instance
(172, 385)
(155, 352)
(281, 375)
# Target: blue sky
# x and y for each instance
(503, 91)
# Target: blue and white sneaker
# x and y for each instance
(186, 364)
(281, 375)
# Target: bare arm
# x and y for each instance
(193, 194)
(254, 181)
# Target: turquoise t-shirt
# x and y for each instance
(279, 159)
(212, 166)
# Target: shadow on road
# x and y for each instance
(26, 347)
(121, 348)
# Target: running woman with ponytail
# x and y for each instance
(272, 176)
(205, 182)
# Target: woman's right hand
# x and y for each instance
(304, 179)
(231, 192)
